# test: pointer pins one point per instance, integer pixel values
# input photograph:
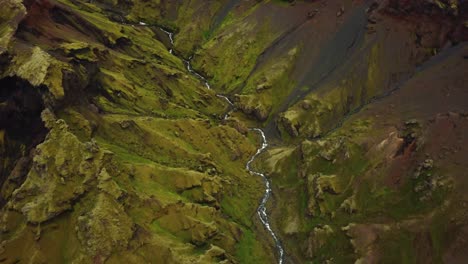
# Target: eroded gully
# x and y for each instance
(261, 210)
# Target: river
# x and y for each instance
(261, 210)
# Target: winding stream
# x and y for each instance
(170, 35)
(261, 210)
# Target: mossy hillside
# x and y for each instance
(318, 112)
(172, 218)
(376, 68)
(71, 168)
(241, 10)
(184, 142)
(243, 41)
(300, 211)
(192, 21)
(250, 251)
(267, 75)
(265, 90)
(50, 232)
(199, 146)
(62, 187)
(335, 181)
(138, 50)
(142, 75)
(191, 140)
(165, 193)
(215, 190)
(236, 199)
(195, 23)
(167, 157)
(148, 11)
(153, 95)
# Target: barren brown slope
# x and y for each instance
(386, 186)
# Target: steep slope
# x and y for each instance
(388, 185)
(113, 150)
(129, 159)
(347, 193)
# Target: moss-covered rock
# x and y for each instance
(251, 106)
(104, 229)
(12, 13)
(39, 68)
(58, 176)
(317, 186)
(349, 205)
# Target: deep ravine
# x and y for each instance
(261, 210)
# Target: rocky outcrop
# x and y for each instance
(318, 186)
(349, 205)
(250, 106)
(293, 121)
(59, 174)
(104, 229)
(33, 66)
(13, 11)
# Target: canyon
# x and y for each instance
(233, 131)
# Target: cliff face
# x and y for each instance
(112, 151)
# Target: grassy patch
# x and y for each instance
(249, 250)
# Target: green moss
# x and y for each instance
(251, 40)
(191, 20)
(372, 199)
(397, 204)
(39, 68)
(122, 153)
(320, 110)
(239, 208)
(174, 175)
(268, 87)
(249, 250)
